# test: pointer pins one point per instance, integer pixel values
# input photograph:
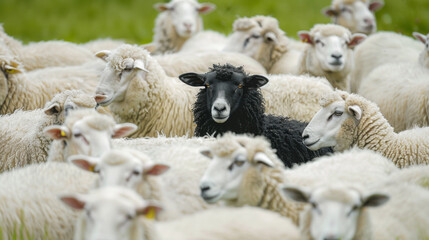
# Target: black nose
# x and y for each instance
(204, 189)
(305, 136)
(220, 108)
(337, 56)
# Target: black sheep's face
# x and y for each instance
(224, 92)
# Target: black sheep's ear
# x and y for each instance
(193, 79)
(255, 81)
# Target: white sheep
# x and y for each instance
(31, 90)
(45, 54)
(205, 41)
(348, 120)
(29, 200)
(177, 189)
(177, 21)
(22, 140)
(107, 205)
(84, 132)
(382, 48)
(356, 15)
(401, 92)
(329, 53)
(392, 211)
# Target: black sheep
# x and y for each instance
(232, 101)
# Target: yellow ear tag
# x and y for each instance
(151, 213)
(304, 40)
(63, 134)
(11, 70)
(91, 168)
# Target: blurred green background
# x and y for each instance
(133, 20)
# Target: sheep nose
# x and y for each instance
(306, 136)
(337, 56)
(368, 21)
(188, 26)
(204, 188)
(220, 108)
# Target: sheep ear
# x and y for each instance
(75, 201)
(161, 7)
(11, 69)
(375, 200)
(193, 79)
(255, 81)
(53, 109)
(329, 12)
(123, 130)
(151, 210)
(296, 193)
(270, 37)
(357, 38)
(207, 153)
(420, 37)
(355, 111)
(84, 162)
(156, 169)
(56, 132)
(375, 6)
(150, 47)
(262, 158)
(139, 64)
(103, 54)
(305, 37)
(205, 8)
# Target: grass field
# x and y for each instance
(132, 20)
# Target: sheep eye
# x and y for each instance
(345, 10)
(135, 172)
(207, 85)
(240, 85)
(338, 113)
(255, 36)
(313, 205)
(88, 213)
(129, 217)
(239, 163)
(77, 135)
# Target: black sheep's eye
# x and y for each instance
(207, 85)
(240, 85)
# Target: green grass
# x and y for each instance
(133, 20)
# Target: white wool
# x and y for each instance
(29, 199)
(46, 54)
(22, 140)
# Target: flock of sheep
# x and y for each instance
(248, 136)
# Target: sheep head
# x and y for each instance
(123, 64)
(88, 132)
(336, 212)
(356, 15)
(184, 15)
(330, 46)
(8, 66)
(111, 213)
(424, 56)
(120, 167)
(236, 169)
(224, 88)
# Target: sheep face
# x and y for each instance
(422, 38)
(324, 128)
(85, 138)
(7, 67)
(184, 15)
(335, 211)
(224, 90)
(110, 213)
(331, 51)
(120, 167)
(358, 16)
(222, 179)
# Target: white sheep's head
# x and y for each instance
(356, 15)
(327, 128)
(234, 159)
(88, 132)
(8, 66)
(120, 167)
(123, 64)
(111, 213)
(424, 57)
(184, 15)
(330, 44)
(335, 212)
